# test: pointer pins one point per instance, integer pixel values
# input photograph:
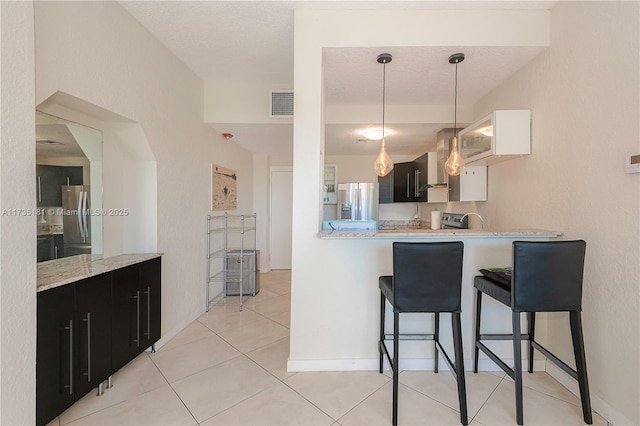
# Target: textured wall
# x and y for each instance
(18, 242)
(97, 52)
(584, 96)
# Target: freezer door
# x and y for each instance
(76, 219)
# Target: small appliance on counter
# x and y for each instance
(455, 221)
(347, 225)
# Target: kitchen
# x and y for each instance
(563, 200)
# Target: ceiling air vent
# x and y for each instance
(281, 103)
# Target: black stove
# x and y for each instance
(455, 221)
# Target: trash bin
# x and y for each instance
(250, 272)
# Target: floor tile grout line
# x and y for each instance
(367, 397)
(487, 400)
(174, 391)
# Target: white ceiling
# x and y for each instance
(56, 141)
(252, 41)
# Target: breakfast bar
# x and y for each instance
(337, 327)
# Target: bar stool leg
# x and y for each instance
(396, 365)
(581, 364)
(517, 365)
(436, 338)
(532, 330)
(381, 341)
(477, 339)
(457, 346)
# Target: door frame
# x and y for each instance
(271, 170)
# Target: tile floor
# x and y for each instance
(229, 368)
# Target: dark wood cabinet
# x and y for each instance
(50, 246)
(406, 183)
(93, 337)
(136, 310)
(55, 352)
(89, 329)
(49, 182)
(126, 316)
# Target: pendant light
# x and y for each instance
(383, 164)
(455, 162)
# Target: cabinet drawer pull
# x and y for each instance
(137, 297)
(70, 328)
(39, 190)
(148, 293)
(88, 321)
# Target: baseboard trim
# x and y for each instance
(410, 364)
(598, 405)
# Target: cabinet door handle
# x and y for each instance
(39, 190)
(137, 297)
(68, 181)
(148, 293)
(408, 185)
(88, 321)
(55, 252)
(417, 179)
(70, 328)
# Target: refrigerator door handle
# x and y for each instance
(84, 216)
(80, 216)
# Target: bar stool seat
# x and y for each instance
(427, 277)
(546, 277)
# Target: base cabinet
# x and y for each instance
(89, 329)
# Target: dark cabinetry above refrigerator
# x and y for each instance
(407, 182)
(49, 181)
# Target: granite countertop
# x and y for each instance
(50, 230)
(439, 233)
(55, 273)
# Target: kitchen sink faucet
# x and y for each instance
(475, 214)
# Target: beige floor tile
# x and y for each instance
(190, 358)
(272, 306)
(192, 332)
(220, 387)
(539, 409)
(158, 407)
(413, 409)
(278, 405)
(282, 318)
(254, 335)
(336, 393)
(443, 387)
(138, 377)
(225, 317)
(273, 358)
(543, 382)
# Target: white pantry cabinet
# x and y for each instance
(499, 136)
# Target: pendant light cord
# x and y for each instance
(384, 90)
(455, 106)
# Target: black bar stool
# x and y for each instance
(426, 277)
(546, 277)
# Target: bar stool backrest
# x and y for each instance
(427, 277)
(547, 276)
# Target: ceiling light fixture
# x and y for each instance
(383, 164)
(455, 162)
(375, 133)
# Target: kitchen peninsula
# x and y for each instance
(94, 315)
(346, 338)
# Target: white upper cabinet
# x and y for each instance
(501, 135)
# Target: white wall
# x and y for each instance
(18, 242)
(584, 97)
(134, 76)
(348, 333)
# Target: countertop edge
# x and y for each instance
(59, 272)
(442, 233)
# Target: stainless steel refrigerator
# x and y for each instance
(358, 201)
(76, 220)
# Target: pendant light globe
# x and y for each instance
(455, 162)
(383, 164)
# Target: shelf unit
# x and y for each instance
(231, 237)
(330, 184)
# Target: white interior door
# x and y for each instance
(281, 202)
